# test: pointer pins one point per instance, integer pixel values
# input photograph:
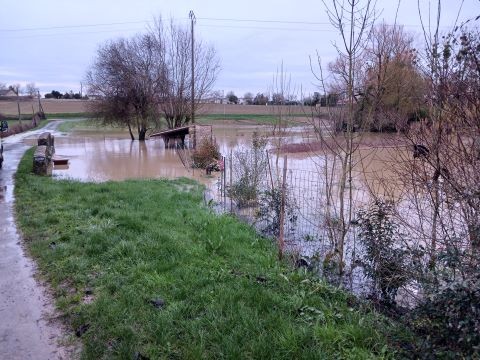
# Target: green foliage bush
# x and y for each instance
(383, 260)
(449, 319)
(249, 168)
(270, 209)
(244, 192)
(448, 316)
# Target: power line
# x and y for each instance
(266, 21)
(205, 25)
(264, 28)
(74, 26)
(69, 33)
(143, 22)
(12, 35)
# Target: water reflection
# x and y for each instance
(101, 159)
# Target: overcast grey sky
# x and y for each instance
(52, 42)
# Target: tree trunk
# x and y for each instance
(130, 131)
(141, 134)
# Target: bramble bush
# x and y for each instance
(448, 316)
(206, 154)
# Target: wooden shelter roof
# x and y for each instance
(183, 130)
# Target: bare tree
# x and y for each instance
(353, 19)
(175, 99)
(442, 177)
(31, 89)
(435, 183)
(142, 78)
(127, 75)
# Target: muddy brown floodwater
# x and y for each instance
(110, 155)
(98, 155)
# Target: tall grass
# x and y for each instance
(147, 270)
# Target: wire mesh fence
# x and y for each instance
(311, 210)
(252, 187)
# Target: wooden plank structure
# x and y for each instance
(174, 137)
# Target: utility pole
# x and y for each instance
(193, 20)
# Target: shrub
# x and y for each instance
(243, 192)
(383, 261)
(449, 319)
(206, 154)
(448, 315)
(270, 209)
(249, 169)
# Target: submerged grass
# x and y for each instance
(82, 123)
(69, 115)
(143, 269)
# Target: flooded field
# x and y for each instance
(111, 155)
(98, 155)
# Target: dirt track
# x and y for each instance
(29, 328)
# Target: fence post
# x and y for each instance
(231, 161)
(194, 137)
(281, 240)
(269, 169)
(224, 182)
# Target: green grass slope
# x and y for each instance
(141, 268)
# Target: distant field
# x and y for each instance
(9, 107)
(249, 109)
(51, 106)
(207, 114)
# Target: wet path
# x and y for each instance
(27, 327)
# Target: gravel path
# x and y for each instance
(28, 325)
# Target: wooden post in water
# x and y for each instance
(281, 240)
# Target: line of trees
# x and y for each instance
(277, 98)
(54, 94)
(146, 77)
